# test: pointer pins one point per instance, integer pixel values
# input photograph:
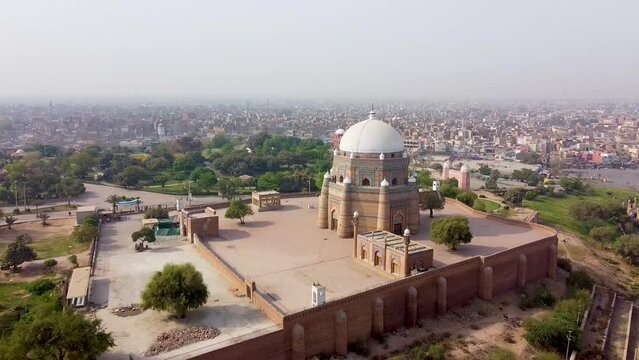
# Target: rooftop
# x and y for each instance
(284, 252)
(79, 283)
(393, 241)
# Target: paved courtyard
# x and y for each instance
(285, 252)
(121, 275)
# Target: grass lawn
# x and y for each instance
(12, 294)
(490, 205)
(57, 245)
(556, 211)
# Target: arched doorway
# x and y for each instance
(377, 259)
(341, 178)
(394, 182)
(366, 182)
(394, 267)
(398, 224)
(363, 256)
(333, 220)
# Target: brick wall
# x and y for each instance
(320, 333)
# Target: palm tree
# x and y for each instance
(10, 219)
(113, 200)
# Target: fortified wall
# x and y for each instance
(330, 327)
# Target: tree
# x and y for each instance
(603, 234)
(207, 181)
(73, 259)
(10, 220)
(238, 210)
(514, 196)
(161, 179)
(184, 164)
(485, 170)
(451, 231)
(431, 200)
(437, 167)
(177, 288)
(228, 187)
(43, 216)
(50, 263)
(218, 141)
(57, 335)
(467, 197)
(156, 213)
(113, 199)
(491, 182)
(16, 253)
(142, 235)
(627, 246)
(424, 179)
(572, 185)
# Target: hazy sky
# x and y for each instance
(426, 50)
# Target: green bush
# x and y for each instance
(565, 264)
(580, 280)
(530, 196)
(437, 352)
(540, 296)
(41, 286)
(156, 213)
(467, 197)
(550, 332)
(627, 246)
(499, 353)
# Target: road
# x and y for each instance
(95, 195)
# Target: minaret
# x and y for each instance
(445, 169)
(464, 184)
(383, 210)
(413, 206)
(322, 219)
(406, 248)
(344, 225)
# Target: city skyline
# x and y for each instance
(287, 50)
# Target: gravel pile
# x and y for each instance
(177, 338)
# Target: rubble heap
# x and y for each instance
(177, 338)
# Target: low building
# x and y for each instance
(392, 253)
(78, 288)
(266, 200)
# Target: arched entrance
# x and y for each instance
(363, 256)
(333, 220)
(394, 266)
(366, 182)
(398, 224)
(377, 259)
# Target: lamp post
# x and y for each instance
(355, 223)
(568, 345)
(406, 244)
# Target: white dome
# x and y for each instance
(465, 168)
(371, 136)
(340, 132)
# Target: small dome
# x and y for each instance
(335, 152)
(407, 232)
(372, 136)
(384, 183)
(382, 156)
(465, 168)
(327, 175)
(446, 164)
(412, 179)
(347, 180)
(356, 214)
(340, 132)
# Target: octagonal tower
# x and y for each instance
(370, 175)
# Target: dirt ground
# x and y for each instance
(35, 269)
(470, 332)
(36, 230)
